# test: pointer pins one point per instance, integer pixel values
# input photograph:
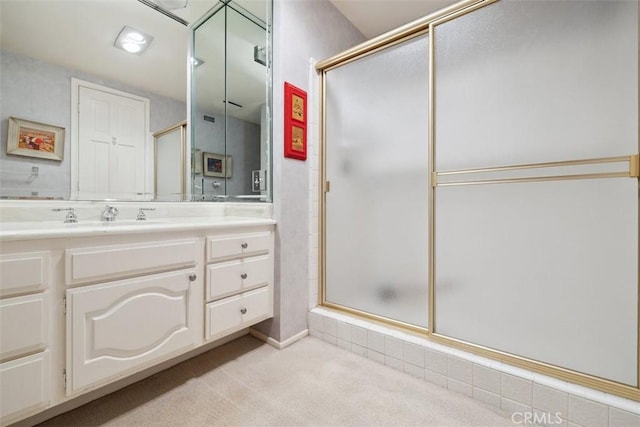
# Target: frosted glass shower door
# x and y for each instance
(531, 264)
(376, 247)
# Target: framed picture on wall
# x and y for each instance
(295, 122)
(33, 139)
(217, 165)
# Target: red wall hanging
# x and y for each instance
(295, 122)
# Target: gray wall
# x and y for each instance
(303, 29)
(41, 92)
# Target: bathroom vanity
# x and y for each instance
(93, 297)
(83, 305)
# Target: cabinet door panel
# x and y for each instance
(23, 324)
(22, 273)
(231, 277)
(24, 386)
(119, 327)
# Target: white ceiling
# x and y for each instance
(374, 17)
(79, 34)
(246, 83)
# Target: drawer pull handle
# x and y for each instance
(243, 275)
(243, 310)
(245, 245)
(192, 277)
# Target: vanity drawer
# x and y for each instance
(231, 277)
(23, 273)
(23, 324)
(85, 265)
(237, 312)
(238, 245)
(24, 386)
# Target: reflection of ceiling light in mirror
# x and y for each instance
(132, 40)
(196, 61)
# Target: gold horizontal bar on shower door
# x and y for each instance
(409, 30)
(630, 172)
(536, 179)
(617, 159)
(376, 50)
(634, 167)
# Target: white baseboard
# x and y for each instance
(278, 344)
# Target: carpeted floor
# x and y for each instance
(311, 383)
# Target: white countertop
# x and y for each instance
(29, 230)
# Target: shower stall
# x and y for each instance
(480, 184)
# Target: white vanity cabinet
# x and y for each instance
(24, 334)
(239, 289)
(117, 327)
(88, 310)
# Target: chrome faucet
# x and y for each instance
(71, 215)
(110, 213)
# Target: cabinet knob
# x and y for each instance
(245, 245)
(192, 277)
(243, 275)
(243, 310)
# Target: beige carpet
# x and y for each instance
(311, 383)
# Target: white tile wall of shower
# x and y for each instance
(513, 390)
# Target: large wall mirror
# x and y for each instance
(230, 113)
(78, 115)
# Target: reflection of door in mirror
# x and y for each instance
(170, 145)
(36, 84)
(111, 140)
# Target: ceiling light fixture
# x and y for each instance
(132, 40)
